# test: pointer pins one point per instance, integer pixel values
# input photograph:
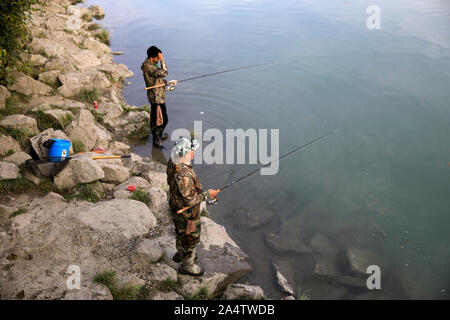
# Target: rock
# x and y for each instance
(117, 53)
(223, 261)
(97, 47)
(37, 60)
(79, 170)
(325, 268)
(4, 95)
(48, 47)
(167, 296)
(115, 173)
(83, 129)
(159, 204)
(119, 148)
(59, 115)
(242, 291)
(74, 82)
(60, 65)
(38, 141)
(97, 12)
(321, 245)
(137, 181)
(156, 179)
(18, 158)
(282, 244)
(284, 284)
(103, 137)
(352, 283)
(31, 177)
(50, 77)
(127, 218)
(137, 116)
(9, 171)
(27, 85)
(147, 251)
(288, 298)
(122, 194)
(160, 272)
(131, 281)
(360, 259)
(8, 143)
(117, 71)
(93, 292)
(84, 59)
(20, 122)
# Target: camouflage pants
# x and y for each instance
(186, 244)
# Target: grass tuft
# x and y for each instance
(109, 280)
(103, 37)
(142, 196)
(88, 96)
(18, 212)
(139, 134)
(78, 146)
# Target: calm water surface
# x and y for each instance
(382, 184)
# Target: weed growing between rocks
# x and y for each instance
(18, 212)
(22, 135)
(103, 37)
(86, 191)
(109, 280)
(142, 196)
(78, 146)
(88, 96)
(23, 185)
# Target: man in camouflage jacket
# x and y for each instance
(186, 192)
(153, 76)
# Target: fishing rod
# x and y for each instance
(214, 200)
(211, 74)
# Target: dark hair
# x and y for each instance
(153, 52)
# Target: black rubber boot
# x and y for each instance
(156, 132)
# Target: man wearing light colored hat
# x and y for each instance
(186, 192)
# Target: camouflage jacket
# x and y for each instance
(185, 189)
(154, 76)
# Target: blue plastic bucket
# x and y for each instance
(59, 150)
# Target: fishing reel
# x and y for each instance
(170, 88)
(212, 201)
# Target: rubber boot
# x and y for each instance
(156, 137)
(188, 266)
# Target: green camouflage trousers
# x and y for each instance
(186, 243)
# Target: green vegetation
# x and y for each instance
(22, 135)
(93, 27)
(88, 96)
(68, 31)
(18, 212)
(202, 294)
(303, 295)
(142, 196)
(97, 116)
(86, 17)
(169, 285)
(103, 37)
(44, 121)
(205, 213)
(10, 152)
(109, 280)
(23, 185)
(139, 134)
(42, 35)
(13, 31)
(86, 192)
(78, 146)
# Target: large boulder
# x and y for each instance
(9, 171)
(84, 59)
(59, 64)
(8, 143)
(147, 251)
(83, 129)
(137, 181)
(20, 122)
(160, 272)
(156, 179)
(74, 82)
(223, 261)
(50, 77)
(97, 47)
(18, 157)
(27, 85)
(79, 170)
(360, 259)
(159, 204)
(117, 71)
(48, 46)
(237, 291)
(4, 94)
(97, 12)
(115, 173)
(127, 218)
(37, 142)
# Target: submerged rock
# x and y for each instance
(360, 259)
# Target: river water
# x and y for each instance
(380, 185)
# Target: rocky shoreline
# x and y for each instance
(121, 241)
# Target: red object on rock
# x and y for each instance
(95, 105)
(131, 188)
